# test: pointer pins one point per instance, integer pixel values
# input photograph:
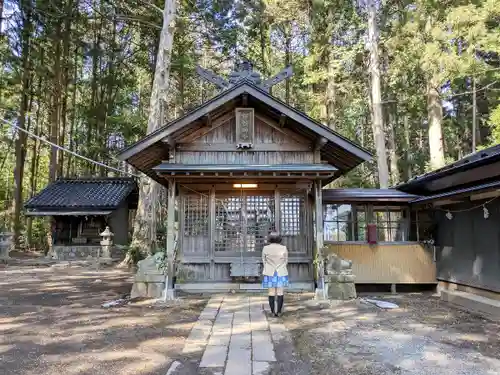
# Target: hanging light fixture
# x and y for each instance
(449, 215)
(486, 213)
(245, 186)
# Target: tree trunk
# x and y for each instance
(330, 87)
(362, 128)
(21, 136)
(92, 122)
(474, 115)
(409, 173)
(35, 154)
(109, 99)
(55, 110)
(377, 122)
(393, 152)
(264, 40)
(330, 91)
(73, 114)
(144, 236)
(288, 59)
(435, 115)
(182, 90)
(65, 81)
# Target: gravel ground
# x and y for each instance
(424, 336)
(52, 322)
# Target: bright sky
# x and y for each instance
(7, 12)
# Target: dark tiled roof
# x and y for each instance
(458, 193)
(477, 159)
(367, 195)
(71, 194)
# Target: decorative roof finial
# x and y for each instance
(244, 71)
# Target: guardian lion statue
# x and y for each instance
(335, 265)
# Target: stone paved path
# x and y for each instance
(235, 336)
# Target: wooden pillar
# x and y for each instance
(310, 240)
(318, 207)
(354, 220)
(211, 229)
(277, 211)
(170, 236)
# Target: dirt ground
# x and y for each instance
(52, 322)
(424, 336)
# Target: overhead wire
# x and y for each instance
(29, 133)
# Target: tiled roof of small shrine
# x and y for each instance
(88, 194)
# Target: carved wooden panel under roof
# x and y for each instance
(221, 144)
(326, 145)
(266, 132)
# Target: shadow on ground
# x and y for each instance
(52, 322)
(423, 336)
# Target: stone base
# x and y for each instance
(340, 278)
(341, 291)
(320, 294)
(105, 261)
(75, 252)
(79, 252)
(220, 287)
(149, 280)
(5, 245)
(448, 285)
(472, 302)
(168, 294)
(147, 290)
(4, 254)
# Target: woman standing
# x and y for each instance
(275, 259)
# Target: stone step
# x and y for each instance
(238, 287)
(472, 302)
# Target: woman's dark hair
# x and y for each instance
(274, 237)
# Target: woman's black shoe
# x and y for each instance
(280, 305)
(271, 305)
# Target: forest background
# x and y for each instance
(416, 82)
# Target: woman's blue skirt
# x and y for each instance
(275, 281)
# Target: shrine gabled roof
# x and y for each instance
(94, 194)
(338, 150)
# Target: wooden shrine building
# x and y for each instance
(241, 165)
(81, 208)
(463, 201)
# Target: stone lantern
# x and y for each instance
(106, 243)
(5, 245)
